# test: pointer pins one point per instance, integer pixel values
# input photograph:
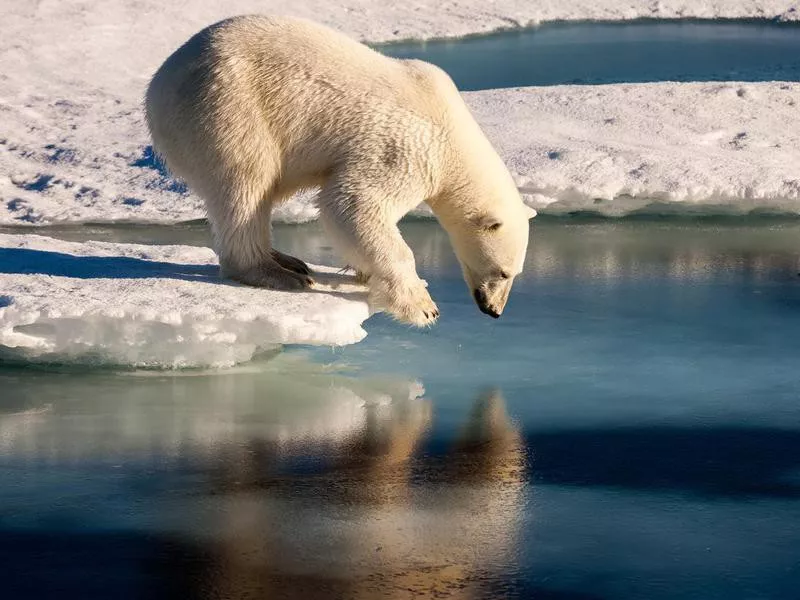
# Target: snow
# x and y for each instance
(73, 146)
(612, 149)
(157, 306)
(666, 147)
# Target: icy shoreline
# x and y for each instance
(156, 306)
(663, 147)
(718, 148)
(73, 146)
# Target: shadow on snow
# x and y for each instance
(24, 261)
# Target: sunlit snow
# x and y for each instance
(156, 306)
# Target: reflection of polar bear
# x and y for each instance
(381, 520)
(252, 109)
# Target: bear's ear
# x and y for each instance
(530, 212)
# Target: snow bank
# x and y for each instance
(616, 149)
(156, 306)
(73, 145)
(665, 147)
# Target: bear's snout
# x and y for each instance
(483, 303)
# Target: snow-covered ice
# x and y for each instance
(719, 147)
(73, 146)
(715, 147)
(156, 306)
(613, 149)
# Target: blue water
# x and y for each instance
(630, 428)
(628, 52)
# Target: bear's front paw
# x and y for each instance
(409, 304)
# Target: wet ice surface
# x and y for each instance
(628, 429)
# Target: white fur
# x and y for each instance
(253, 108)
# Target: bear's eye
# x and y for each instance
(494, 226)
(504, 275)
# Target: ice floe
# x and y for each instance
(614, 149)
(73, 146)
(665, 147)
(160, 306)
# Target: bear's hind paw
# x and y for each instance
(274, 278)
(290, 262)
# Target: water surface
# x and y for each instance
(630, 428)
(627, 52)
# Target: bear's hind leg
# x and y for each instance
(271, 275)
(242, 236)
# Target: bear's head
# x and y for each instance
(491, 244)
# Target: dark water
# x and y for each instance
(630, 428)
(628, 52)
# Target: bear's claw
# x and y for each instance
(408, 304)
(291, 263)
(274, 278)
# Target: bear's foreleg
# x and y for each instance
(371, 242)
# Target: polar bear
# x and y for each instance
(255, 108)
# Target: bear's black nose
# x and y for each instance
(483, 303)
(488, 311)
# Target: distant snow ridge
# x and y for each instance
(156, 306)
(697, 148)
(611, 149)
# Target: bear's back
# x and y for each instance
(288, 61)
(298, 92)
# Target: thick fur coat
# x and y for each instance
(252, 109)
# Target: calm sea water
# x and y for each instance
(628, 52)
(630, 428)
